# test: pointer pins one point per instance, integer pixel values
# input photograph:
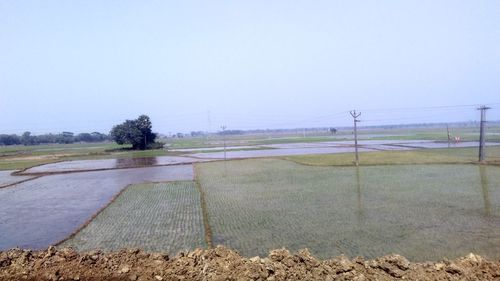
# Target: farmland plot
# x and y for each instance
(424, 212)
(7, 179)
(120, 163)
(44, 211)
(153, 217)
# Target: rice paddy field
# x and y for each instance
(160, 217)
(7, 179)
(424, 212)
(421, 156)
(425, 204)
(41, 212)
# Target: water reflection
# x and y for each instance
(136, 162)
(484, 187)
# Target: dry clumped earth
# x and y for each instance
(222, 263)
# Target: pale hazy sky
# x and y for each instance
(87, 65)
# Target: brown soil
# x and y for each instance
(222, 263)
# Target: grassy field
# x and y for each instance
(424, 212)
(163, 217)
(60, 149)
(437, 134)
(244, 140)
(425, 156)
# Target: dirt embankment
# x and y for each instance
(225, 264)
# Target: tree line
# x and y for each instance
(62, 138)
(137, 132)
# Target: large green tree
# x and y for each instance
(136, 132)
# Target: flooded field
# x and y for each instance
(276, 152)
(446, 144)
(346, 143)
(290, 149)
(7, 179)
(83, 165)
(287, 149)
(41, 212)
(424, 212)
(159, 217)
(215, 148)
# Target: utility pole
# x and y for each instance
(209, 123)
(482, 139)
(355, 116)
(223, 127)
(449, 136)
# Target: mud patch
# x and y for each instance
(225, 264)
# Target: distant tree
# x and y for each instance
(97, 137)
(84, 137)
(9, 139)
(145, 126)
(27, 138)
(231, 132)
(136, 132)
(66, 137)
(127, 133)
(197, 133)
(333, 131)
(47, 138)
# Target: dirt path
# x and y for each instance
(224, 264)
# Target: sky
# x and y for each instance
(84, 66)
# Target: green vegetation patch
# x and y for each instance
(424, 212)
(163, 217)
(425, 156)
(21, 164)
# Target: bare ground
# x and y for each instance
(222, 263)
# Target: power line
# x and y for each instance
(255, 121)
(427, 107)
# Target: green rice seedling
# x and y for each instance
(162, 217)
(424, 212)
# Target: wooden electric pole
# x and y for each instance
(482, 139)
(209, 124)
(355, 116)
(223, 127)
